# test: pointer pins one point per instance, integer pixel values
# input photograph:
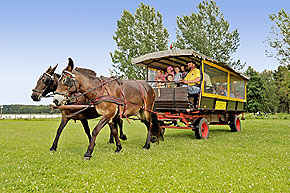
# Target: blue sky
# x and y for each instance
(36, 34)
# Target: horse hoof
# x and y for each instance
(87, 158)
(153, 139)
(146, 147)
(52, 149)
(123, 137)
(118, 149)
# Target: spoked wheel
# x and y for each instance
(201, 129)
(235, 124)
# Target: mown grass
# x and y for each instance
(254, 160)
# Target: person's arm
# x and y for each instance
(192, 81)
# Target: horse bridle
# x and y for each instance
(68, 81)
(47, 81)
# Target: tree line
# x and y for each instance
(26, 109)
(269, 90)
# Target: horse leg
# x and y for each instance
(111, 140)
(104, 120)
(86, 128)
(120, 124)
(114, 131)
(63, 123)
(148, 123)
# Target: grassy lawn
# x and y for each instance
(255, 160)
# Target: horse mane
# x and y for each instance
(86, 71)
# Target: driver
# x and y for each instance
(192, 79)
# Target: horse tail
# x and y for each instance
(156, 127)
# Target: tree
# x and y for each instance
(255, 91)
(208, 33)
(280, 39)
(271, 99)
(282, 77)
(135, 36)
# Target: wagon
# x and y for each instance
(175, 107)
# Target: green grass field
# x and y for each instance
(255, 160)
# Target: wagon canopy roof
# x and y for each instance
(161, 60)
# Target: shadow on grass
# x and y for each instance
(189, 134)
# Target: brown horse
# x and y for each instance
(46, 84)
(112, 98)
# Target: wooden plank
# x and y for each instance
(241, 106)
(231, 105)
(73, 107)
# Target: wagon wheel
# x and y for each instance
(235, 124)
(201, 129)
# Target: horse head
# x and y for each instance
(67, 85)
(46, 83)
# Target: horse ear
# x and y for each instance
(48, 69)
(70, 64)
(52, 70)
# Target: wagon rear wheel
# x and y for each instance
(201, 129)
(235, 124)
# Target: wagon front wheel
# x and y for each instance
(235, 124)
(201, 129)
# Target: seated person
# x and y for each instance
(183, 72)
(169, 71)
(221, 90)
(192, 79)
(207, 80)
(160, 84)
(238, 94)
(160, 76)
(178, 75)
(207, 83)
(170, 82)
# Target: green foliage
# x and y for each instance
(26, 109)
(280, 39)
(254, 160)
(255, 91)
(271, 99)
(136, 35)
(208, 33)
(282, 77)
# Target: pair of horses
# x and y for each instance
(112, 99)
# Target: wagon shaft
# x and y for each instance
(71, 107)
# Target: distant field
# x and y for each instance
(255, 160)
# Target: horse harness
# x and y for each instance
(47, 81)
(71, 81)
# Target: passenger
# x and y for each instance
(160, 76)
(178, 75)
(169, 71)
(238, 94)
(183, 72)
(207, 80)
(170, 82)
(192, 79)
(221, 90)
(160, 84)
